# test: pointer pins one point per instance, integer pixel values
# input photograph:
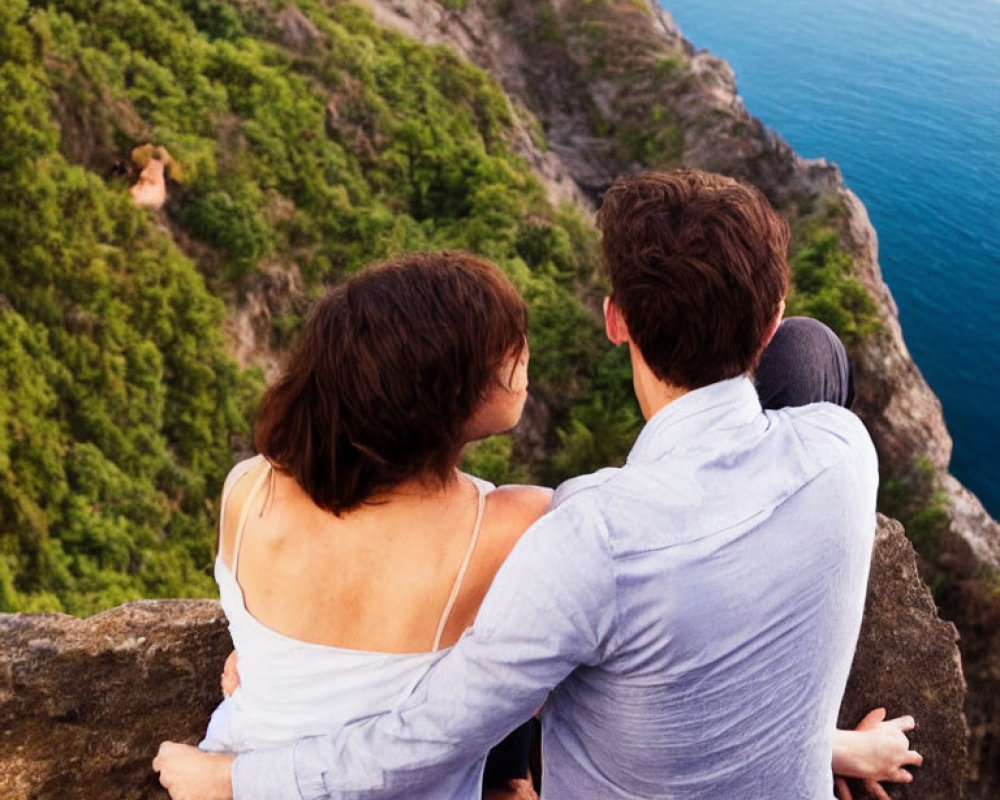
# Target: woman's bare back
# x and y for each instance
(377, 578)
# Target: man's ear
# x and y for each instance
(614, 323)
(775, 323)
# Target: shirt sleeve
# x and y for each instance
(550, 609)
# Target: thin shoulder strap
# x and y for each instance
(227, 490)
(457, 585)
(245, 515)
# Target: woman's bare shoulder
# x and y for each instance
(234, 495)
(514, 508)
(241, 468)
(510, 511)
(522, 499)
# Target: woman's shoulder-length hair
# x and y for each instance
(386, 371)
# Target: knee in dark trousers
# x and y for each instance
(804, 363)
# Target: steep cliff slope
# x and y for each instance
(300, 148)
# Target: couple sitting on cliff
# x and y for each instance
(685, 623)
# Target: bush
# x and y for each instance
(824, 286)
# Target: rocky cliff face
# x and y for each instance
(602, 88)
(614, 87)
(85, 703)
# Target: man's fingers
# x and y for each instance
(905, 723)
(872, 718)
(875, 790)
(163, 750)
(843, 791)
(902, 776)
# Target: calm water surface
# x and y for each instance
(905, 97)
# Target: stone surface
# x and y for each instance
(907, 660)
(85, 703)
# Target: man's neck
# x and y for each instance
(652, 393)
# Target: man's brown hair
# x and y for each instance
(698, 265)
(388, 368)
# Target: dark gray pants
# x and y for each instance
(804, 363)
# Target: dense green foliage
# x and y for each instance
(823, 282)
(313, 141)
(915, 499)
(119, 405)
(308, 141)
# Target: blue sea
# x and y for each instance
(904, 95)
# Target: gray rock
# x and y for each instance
(907, 660)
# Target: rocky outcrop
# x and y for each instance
(903, 414)
(273, 293)
(907, 660)
(85, 703)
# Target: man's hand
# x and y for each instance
(191, 774)
(877, 750)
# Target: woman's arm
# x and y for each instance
(877, 750)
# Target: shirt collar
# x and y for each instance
(728, 404)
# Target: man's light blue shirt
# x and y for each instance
(689, 621)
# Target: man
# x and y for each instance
(689, 619)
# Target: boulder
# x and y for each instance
(85, 703)
(907, 660)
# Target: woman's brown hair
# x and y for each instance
(698, 265)
(386, 371)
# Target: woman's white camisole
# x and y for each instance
(290, 689)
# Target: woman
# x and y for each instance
(352, 550)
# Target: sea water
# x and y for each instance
(904, 95)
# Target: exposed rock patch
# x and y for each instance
(907, 660)
(85, 703)
(297, 29)
(273, 293)
(150, 191)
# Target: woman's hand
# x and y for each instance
(877, 750)
(516, 789)
(191, 774)
(230, 675)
